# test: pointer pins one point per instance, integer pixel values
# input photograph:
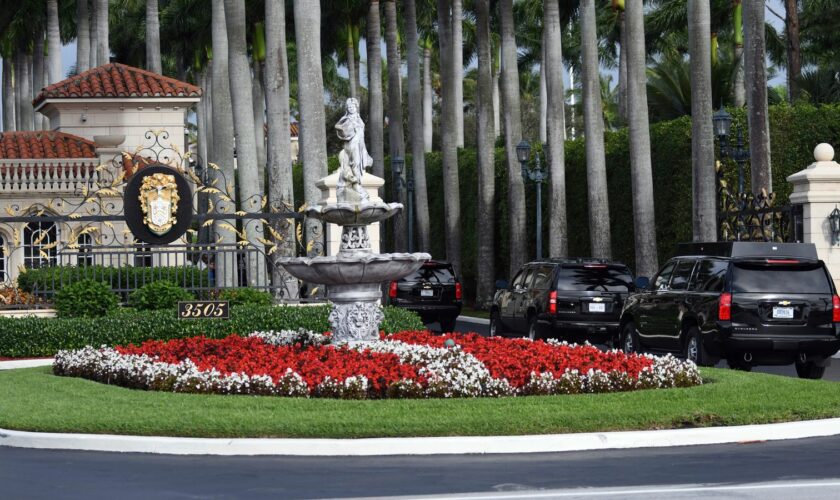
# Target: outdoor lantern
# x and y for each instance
(397, 165)
(722, 122)
(834, 223)
(523, 151)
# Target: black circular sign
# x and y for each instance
(133, 206)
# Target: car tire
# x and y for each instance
(447, 325)
(534, 329)
(809, 370)
(629, 338)
(739, 364)
(496, 328)
(694, 350)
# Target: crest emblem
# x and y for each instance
(784, 302)
(159, 202)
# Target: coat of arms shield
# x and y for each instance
(159, 202)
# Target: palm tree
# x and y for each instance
(94, 37)
(640, 163)
(153, 63)
(416, 136)
(458, 65)
(103, 49)
(702, 136)
(596, 164)
(350, 55)
(449, 147)
(223, 147)
(258, 100)
(428, 128)
(794, 51)
(8, 94)
(485, 209)
(739, 95)
(558, 239)
(313, 138)
(396, 134)
(23, 77)
(755, 73)
(375, 123)
(38, 76)
(53, 44)
(513, 133)
(82, 36)
(280, 181)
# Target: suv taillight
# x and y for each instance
(458, 291)
(552, 302)
(725, 307)
(392, 290)
(835, 310)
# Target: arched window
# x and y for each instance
(85, 257)
(3, 275)
(38, 250)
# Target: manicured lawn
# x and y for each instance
(35, 400)
(475, 313)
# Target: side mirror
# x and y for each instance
(642, 283)
(501, 285)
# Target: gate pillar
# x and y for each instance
(817, 189)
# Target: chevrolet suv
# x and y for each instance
(433, 292)
(749, 303)
(572, 299)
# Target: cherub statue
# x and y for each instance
(353, 158)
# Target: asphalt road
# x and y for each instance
(791, 469)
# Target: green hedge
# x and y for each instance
(25, 337)
(128, 277)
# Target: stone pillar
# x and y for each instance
(328, 186)
(817, 189)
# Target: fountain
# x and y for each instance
(354, 277)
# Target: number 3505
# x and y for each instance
(203, 309)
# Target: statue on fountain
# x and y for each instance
(353, 157)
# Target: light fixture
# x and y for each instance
(397, 164)
(722, 122)
(523, 151)
(834, 224)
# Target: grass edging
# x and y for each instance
(33, 399)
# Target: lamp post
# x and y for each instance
(536, 175)
(722, 123)
(397, 166)
(834, 224)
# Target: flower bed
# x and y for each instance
(412, 364)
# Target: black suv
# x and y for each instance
(433, 292)
(749, 303)
(573, 299)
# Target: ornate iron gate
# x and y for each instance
(756, 217)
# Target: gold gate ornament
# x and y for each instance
(159, 201)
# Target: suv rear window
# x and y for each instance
(582, 278)
(432, 275)
(774, 278)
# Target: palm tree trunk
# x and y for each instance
(16, 72)
(755, 72)
(739, 90)
(458, 65)
(239, 71)
(794, 52)
(513, 134)
(53, 43)
(258, 112)
(396, 134)
(375, 122)
(486, 207)
(449, 147)
(543, 91)
(350, 49)
(8, 96)
(103, 49)
(23, 79)
(202, 124)
(313, 139)
(94, 36)
(593, 124)
(415, 123)
(153, 63)
(644, 226)
(428, 130)
(281, 194)
(82, 36)
(226, 274)
(622, 67)
(38, 77)
(497, 101)
(702, 136)
(558, 239)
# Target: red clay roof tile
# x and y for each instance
(43, 144)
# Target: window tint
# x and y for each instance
(612, 279)
(542, 277)
(432, 275)
(664, 276)
(682, 274)
(748, 278)
(710, 276)
(519, 279)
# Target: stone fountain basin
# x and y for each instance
(354, 214)
(346, 270)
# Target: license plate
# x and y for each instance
(597, 308)
(783, 312)
(427, 293)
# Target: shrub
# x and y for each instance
(240, 296)
(158, 295)
(24, 337)
(55, 277)
(85, 299)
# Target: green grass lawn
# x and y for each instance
(475, 313)
(35, 400)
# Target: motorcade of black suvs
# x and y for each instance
(747, 302)
(433, 292)
(570, 299)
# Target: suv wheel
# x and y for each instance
(447, 325)
(694, 350)
(533, 329)
(810, 370)
(496, 328)
(629, 339)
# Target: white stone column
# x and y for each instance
(328, 186)
(817, 189)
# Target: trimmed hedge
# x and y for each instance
(86, 299)
(157, 295)
(240, 296)
(127, 277)
(27, 337)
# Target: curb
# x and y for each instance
(551, 443)
(471, 319)
(25, 363)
